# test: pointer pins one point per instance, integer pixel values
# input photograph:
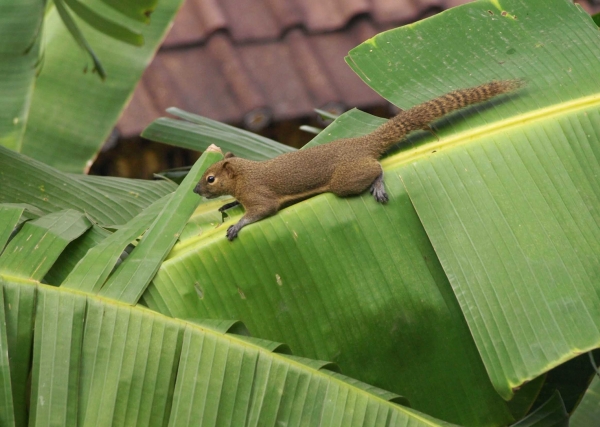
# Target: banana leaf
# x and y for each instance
(109, 201)
(140, 10)
(197, 133)
(139, 192)
(99, 362)
(133, 276)
(39, 243)
(74, 252)
(588, 411)
(71, 110)
(508, 197)
(551, 414)
(9, 218)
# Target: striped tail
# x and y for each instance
(420, 116)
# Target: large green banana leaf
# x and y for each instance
(197, 133)
(509, 198)
(109, 201)
(69, 115)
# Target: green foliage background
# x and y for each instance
(478, 278)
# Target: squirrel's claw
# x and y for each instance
(380, 195)
(378, 190)
(232, 232)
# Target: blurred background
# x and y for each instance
(263, 65)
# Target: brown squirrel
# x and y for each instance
(344, 167)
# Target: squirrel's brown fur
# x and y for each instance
(344, 167)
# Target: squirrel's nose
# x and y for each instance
(197, 189)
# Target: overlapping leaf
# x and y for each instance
(551, 414)
(137, 193)
(9, 218)
(133, 276)
(588, 411)
(40, 242)
(93, 269)
(102, 363)
(107, 200)
(197, 133)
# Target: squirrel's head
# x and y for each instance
(218, 180)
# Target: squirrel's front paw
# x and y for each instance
(232, 232)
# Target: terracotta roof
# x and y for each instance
(255, 61)
(267, 20)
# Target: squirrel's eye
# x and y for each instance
(210, 179)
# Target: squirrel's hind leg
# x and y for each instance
(378, 190)
(356, 177)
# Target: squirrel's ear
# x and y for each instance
(228, 169)
(229, 154)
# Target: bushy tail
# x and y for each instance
(420, 116)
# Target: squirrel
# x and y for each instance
(344, 167)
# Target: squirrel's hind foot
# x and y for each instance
(379, 194)
(378, 191)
